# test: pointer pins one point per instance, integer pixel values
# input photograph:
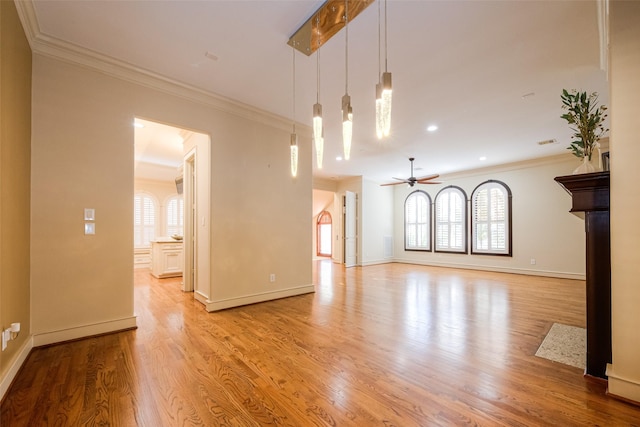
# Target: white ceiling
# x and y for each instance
(158, 150)
(488, 73)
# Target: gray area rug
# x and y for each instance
(565, 344)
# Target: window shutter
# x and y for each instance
(491, 219)
(451, 227)
(144, 220)
(417, 221)
(175, 216)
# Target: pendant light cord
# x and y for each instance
(346, 47)
(379, 44)
(293, 49)
(385, 35)
(318, 61)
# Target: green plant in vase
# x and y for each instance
(586, 120)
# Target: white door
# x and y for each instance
(350, 223)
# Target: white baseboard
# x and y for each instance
(255, 298)
(84, 331)
(625, 388)
(378, 262)
(15, 367)
(526, 271)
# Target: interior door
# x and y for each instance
(350, 227)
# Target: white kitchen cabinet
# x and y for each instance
(167, 259)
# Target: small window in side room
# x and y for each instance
(145, 211)
(175, 215)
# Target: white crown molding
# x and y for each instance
(603, 32)
(52, 47)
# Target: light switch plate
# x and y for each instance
(89, 228)
(5, 339)
(89, 214)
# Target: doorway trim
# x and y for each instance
(189, 241)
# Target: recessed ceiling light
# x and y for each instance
(138, 125)
(339, 158)
(483, 158)
(432, 128)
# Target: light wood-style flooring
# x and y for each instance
(386, 345)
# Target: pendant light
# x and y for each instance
(379, 118)
(294, 136)
(347, 112)
(385, 82)
(318, 131)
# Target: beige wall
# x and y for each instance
(543, 228)
(624, 373)
(377, 223)
(15, 168)
(83, 157)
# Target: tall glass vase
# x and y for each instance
(585, 167)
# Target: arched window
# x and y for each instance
(323, 236)
(417, 222)
(491, 219)
(175, 215)
(145, 208)
(451, 220)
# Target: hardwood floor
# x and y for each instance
(389, 345)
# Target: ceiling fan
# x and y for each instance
(413, 180)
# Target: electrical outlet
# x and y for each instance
(533, 261)
(272, 277)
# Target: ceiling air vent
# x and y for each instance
(547, 141)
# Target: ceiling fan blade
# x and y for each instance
(427, 178)
(394, 183)
(430, 182)
(400, 179)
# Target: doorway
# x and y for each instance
(171, 167)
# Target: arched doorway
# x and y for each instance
(323, 234)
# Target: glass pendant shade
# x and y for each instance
(386, 104)
(347, 125)
(318, 134)
(379, 122)
(294, 155)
